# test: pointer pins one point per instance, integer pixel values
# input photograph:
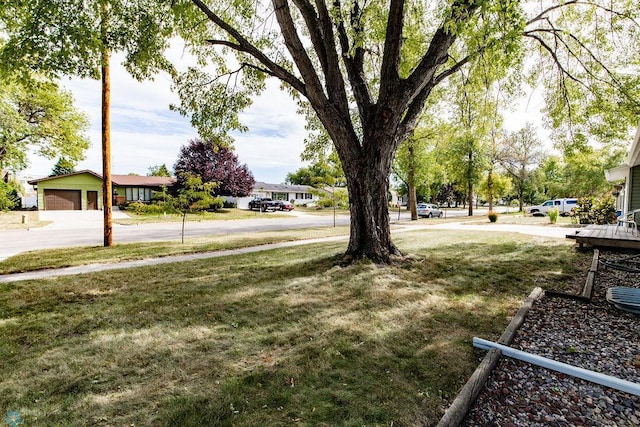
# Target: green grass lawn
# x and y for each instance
(12, 220)
(275, 338)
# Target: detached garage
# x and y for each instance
(83, 190)
(71, 192)
(62, 200)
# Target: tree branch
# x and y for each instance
(438, 50)
(556, 60)
(243, 45)
(315, 31)
(232, 45)
(392, 46)
(355, 64)
(296, 49)
(454, 68)
(542, 15)
(334, 79)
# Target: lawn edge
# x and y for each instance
(470, 391)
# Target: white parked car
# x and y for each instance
(427, 210)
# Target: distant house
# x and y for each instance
(83, 190)
(297, 194)
(628, 193)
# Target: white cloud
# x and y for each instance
(146, 133)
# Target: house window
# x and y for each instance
(308, 196)
(134, 194)
(280, 196)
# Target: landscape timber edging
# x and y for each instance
(469, 393)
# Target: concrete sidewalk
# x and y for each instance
(91, 268)
(543, 231)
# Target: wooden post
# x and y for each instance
(106, 132)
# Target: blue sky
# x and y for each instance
(144, 132)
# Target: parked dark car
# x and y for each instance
(258, 202)
(269, 205)
(284, 205)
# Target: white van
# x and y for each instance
(564, 207)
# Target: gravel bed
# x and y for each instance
(594, 336)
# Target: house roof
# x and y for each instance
(634, 152)
(284, 188)
(120, 180)
(144, 181)
(48, 178)
(158, 181)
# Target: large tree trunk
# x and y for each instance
(411, 187)
(470, 182)
(490, 189)
(370, 235)
(413, 202)
(520, 198)
(368, 184)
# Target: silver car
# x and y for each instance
(427, 210)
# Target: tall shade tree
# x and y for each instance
(37, 116)
(159, 170)
(367, 69)
(583, 171)
(520, 153)
(474, 111)
(323, 172)
(63, 166)
(213, 162)
(77, 37)
(415, 164)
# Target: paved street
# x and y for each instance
(88, 230)
(82, 228)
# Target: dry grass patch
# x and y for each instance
(12, 220)
(272, 338)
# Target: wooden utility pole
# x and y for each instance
(106, 131)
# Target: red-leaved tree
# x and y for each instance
(215, 163)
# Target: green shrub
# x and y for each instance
(493, 216)
(592, 210)
(153, 208)
(325, 202)
(553, 215)
(9, 198)
(216, 203)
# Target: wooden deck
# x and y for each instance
(605, 236)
